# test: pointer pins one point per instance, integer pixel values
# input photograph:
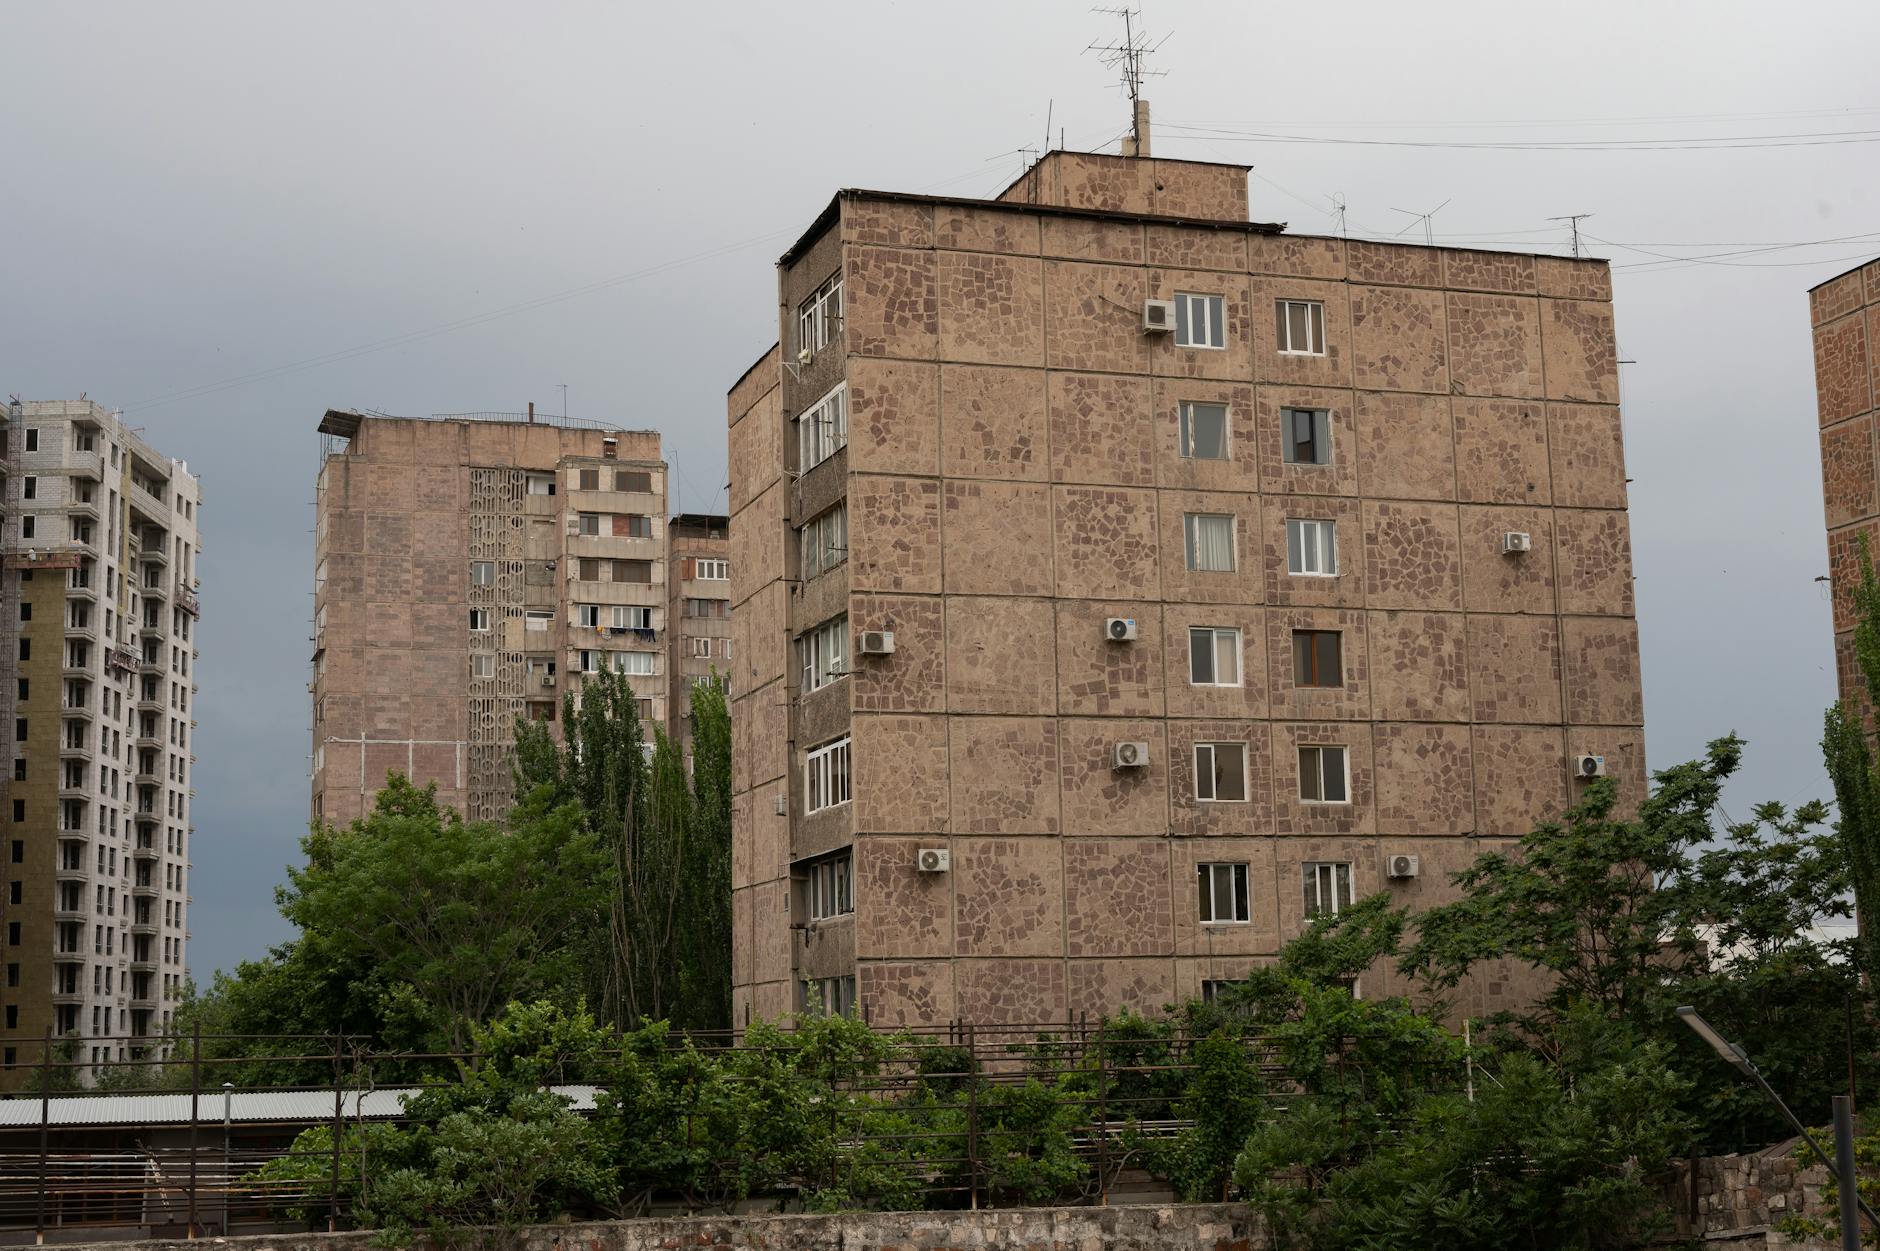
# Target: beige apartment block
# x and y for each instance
(1118, 583)
(99, 598)
(698, 566)
(469, 571)
(1846, 316)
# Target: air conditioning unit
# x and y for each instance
(1120, 629)
(1129, 756)
(1589, 766)
(1400, 866)
(934, 860)
(875, 643)
(548, 681)
(782, 805)
(1158, 316)
(1516, 541)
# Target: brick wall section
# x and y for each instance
(1845, 312)
(1739, 1197)
(1185, 1227)
(1014, 475)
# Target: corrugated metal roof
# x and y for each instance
(243, 1107)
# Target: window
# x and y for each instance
(825, 542)
(533, 619)
(19, 812)
(588, 616)
(707, 608)
(1223, 893)
(1204, 431)
(1322, 776)
(632, 570)
(822, 429)
(819, 318)
(1311, 547)
(1198, 321)
(588, 569)
(588, 660)
(822, 653)
(1301, 327)
(32, 440)
(1327, 887)
(480, 620)
(627, 617)
(1306, 436)
(826, 776)
(1219, 989)
(1317, 659)
(1221, 772)
(832, 887)
(482, 573)
(1210, 542)
(835, 995)
(29, 488)
(541, 484)
(633, 525)
(1213, 656)
(482, 665)
(590, 524)
(633, 480)
(588, 479)
(27, 526)
(714, 570)
(701, 647)
(633, 662)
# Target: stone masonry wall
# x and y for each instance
(1187, 1227)
(1845, 312)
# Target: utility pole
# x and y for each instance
(1573, 220)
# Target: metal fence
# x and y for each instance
(175, 1147)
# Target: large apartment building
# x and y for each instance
(1845, 312)
(99, 598)
(1120, 583)
(698, 564)
(470, 570)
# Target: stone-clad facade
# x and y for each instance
(1846, 316)
(1003, 444)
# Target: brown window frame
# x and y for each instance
(1310, 663)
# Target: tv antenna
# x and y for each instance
(1573, 220)
(1130, 59)
(1338, 212)
(1428, 237)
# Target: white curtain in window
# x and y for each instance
(1210, 541)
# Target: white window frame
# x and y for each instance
(836, 993)
(827, 782)
(1314, 344)
(1214, 636)
(1200, 318)
(822, 429)
(1321, 420)
(824, 542)
(830, 887)
(536, 619)
(1187, 429)
(482, 664)
(588, 616)
(1191, 541)
(588, 660)
(1319, 878)
(1322, 550)
(540, 484)
(819, 318)
(635, 664)
(713, 570)
(1206, 752)
(479, 621)
(624, 615)
(823, 653)
(1211, 877)
(1318, 750)
(701, 648)
(482, 573)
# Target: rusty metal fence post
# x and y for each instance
(332, 1211)
(195, 1097)
(1103, 1122)
(972, 1116)
(45, 1122)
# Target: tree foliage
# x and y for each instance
(1847, 747)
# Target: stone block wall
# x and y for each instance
(1845, 312)
(1014, 475)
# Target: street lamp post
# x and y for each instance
(1848, 1180)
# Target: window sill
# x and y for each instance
(1291, 352)
(1203, 347)
(1199, 800)
(1209, 925)
(1325, 803)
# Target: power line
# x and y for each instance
(1716, 143)
(1722, 258)
(1400, 124)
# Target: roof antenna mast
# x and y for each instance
(1130, 59)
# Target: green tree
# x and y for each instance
(1846, 746)
(704, 939)
(1598, 901)
(453, 919)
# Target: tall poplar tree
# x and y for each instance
(1847, 745)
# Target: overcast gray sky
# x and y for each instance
(195, 192)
